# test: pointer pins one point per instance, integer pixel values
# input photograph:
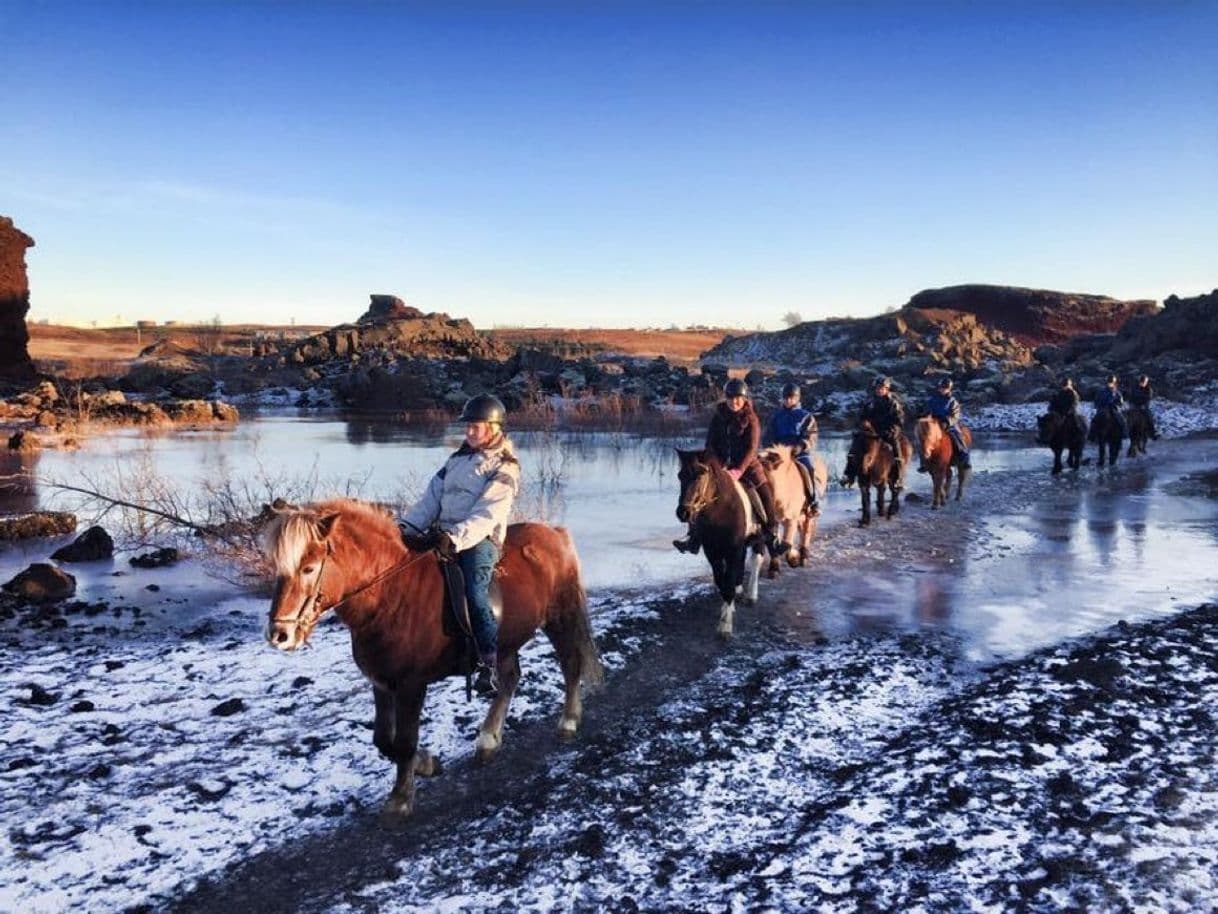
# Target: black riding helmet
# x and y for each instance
(945, 383)
(790, 389)
(882, 381)
(735, 388)
(483, 408)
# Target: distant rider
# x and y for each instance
(1140, 398)
(886, 415)
(795, 426)
(943, 406)
(1109, 398)
(733, 437)
(463, 515)
(1065, 401)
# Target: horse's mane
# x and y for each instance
(290, 532)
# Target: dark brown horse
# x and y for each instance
(1063, 433)
(1106, 432)
(1139, 430)
(348, 556)
(938, 453)
(717, 508)
(870, 462)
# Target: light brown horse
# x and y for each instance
(937, 452)
(798, 526)
(870, 462)
(349, 556)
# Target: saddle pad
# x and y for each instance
(751, 512)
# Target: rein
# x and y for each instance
(308, 614)
(703, 496)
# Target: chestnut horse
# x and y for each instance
(348, 556)
(870, 461)
(797, 524)
(938, 452)
(718, 509)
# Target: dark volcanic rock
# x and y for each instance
(15, 363)
(156, 559)
(42, 582)
(1035, 316)
(91, 546)
(1185, 326)
(387, 308)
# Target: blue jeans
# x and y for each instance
(477, 567)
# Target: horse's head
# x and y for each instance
(929, 433)
(697, 479)
(297, 542)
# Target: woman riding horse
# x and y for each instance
(733, 437)
(795, 427)
(945, 408)
(463, 515)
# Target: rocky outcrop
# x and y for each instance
(43, 523)
(15, 363)
(391, 328)
(42, 582)
(93, 545)
(1035, 316)
(1186, 327)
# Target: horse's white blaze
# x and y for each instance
(726, 615)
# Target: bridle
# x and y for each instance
(703, 494)
(312, 608)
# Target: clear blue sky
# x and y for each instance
(603, 164)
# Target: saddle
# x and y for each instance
(456, 621)
(756, 516)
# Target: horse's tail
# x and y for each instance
(573, 600)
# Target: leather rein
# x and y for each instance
(309, 611)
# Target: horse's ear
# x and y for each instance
(325, 525)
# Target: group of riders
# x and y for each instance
(1065, 402)
(463, 514)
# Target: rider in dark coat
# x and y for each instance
(1140, 397)
(886, 415)
(1109, 398)
(734, 436)
(1065, 401)
(943, 406)
(794, 426)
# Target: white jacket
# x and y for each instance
(471, 496)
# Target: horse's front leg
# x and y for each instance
(752, 577)
(490, 734)
(383, 727)
(727, 578)
(961, 475)
(1057, 461)
(408, 705)
(865, 495)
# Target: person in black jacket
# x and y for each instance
(886, 415)
(734, 436)
(1065, 401)
(1140, 398)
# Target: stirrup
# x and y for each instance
(487, 681)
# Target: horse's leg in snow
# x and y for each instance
(961, 477)
(563, 638)
(408, 705)
(752, 577)
(382, 728)
(490, 734)
(865, 495)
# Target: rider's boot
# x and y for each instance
(810, 499)
(691, 544)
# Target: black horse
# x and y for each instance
(1139, 430)
(1063, 433)
(1107, 433)
(711, 501)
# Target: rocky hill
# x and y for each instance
(1035, 316)
(15, 364)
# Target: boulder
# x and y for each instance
(158, 558)
(15, 363)
(93, 545)
(42, 583)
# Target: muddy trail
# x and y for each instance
(877, 736)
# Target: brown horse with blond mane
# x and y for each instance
(348, 556)
(938, 453)
(871, 463)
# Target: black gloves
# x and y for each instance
(434, 538)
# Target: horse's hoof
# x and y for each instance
(486, 747)
(724, 634)
(396, 810)
(566, 729)
(427, 765)
(771, 571)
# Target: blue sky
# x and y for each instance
(603, 164)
